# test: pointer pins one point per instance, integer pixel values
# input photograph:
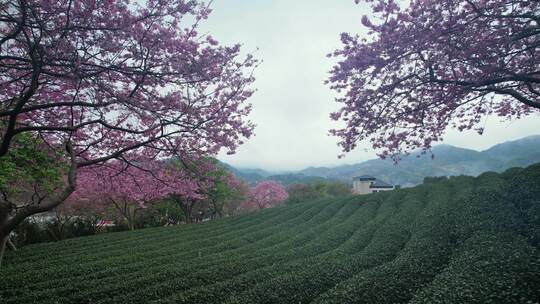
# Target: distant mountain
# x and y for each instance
(253, 176)
(247, 174)
(291, 178)
(516, 153)
(447, 161)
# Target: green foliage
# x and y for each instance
(29, 232)
(434, 179)
(222, 192)
(299, 193)
(28, 162)
(338, 189)
(159, 214)
(459, 240)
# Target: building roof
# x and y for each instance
(380, 184)
(364, 178)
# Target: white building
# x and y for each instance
(366, 184)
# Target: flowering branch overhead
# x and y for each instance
(432, 65)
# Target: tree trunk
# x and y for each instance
(218, 210)
(3, 243)
(131, 217)
(129, 222)
(4, 216)
(187, 208)
(11, 245)
(127, 211)
(189, 220)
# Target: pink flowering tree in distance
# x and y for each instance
(126, 188)
(225, 192)
(201, 184)
(266, 194)
(186, 183)
(426, 65)
(130, 187)
(103, 80)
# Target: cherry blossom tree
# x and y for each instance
(226, 191)
(103, 80)
(126, 188)
(131, 187)
(267, 194)
(201, 184)
(186, 183)
(426, 65)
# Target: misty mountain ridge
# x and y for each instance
(445, 160)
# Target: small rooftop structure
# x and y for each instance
(364, 178)
(380, 184)
(366, 184)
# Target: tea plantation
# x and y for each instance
(463, 240)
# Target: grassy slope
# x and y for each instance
(466, 240)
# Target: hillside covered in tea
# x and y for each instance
(460, 240)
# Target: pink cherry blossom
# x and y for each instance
(111, 82)
(266, 194)
(429, 65)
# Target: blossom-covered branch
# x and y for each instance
(432, 65)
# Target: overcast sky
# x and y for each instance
(292, 104)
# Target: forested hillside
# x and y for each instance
(461, 240)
